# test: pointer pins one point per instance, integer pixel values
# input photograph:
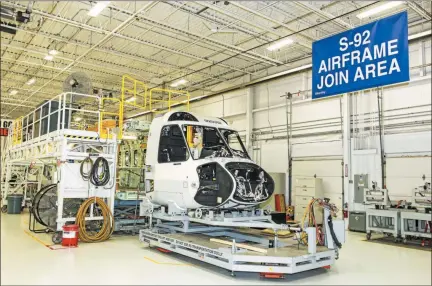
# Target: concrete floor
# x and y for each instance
(26, 260)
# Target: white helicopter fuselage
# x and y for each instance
(176, 174)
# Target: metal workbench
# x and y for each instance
(386, 221)
(415, 224)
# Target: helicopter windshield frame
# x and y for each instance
(205, 142)
(213, 143)
(243, 153)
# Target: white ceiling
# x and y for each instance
(204, 42)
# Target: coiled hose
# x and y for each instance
(103, 178)
(89, 162)
(107, 226)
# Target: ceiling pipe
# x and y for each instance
(284, 37)
(115, 53)
(302, 40)
(341, 23)
(147, 43)
(272, 77)
(104, 39)
(251, 55)
(16, 104)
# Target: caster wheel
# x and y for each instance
(57, 237)
(4, 209)
(368, 236)
(198, 213)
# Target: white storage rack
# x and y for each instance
(65, 148)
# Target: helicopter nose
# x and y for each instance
(253, 184)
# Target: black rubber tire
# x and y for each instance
(4, 209)
(57, 237)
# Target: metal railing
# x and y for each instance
(136, 94)
(83, 113)
(133, 92)
(168, 98)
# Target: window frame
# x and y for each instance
(189, 155)
(238, 138)
(217, 131)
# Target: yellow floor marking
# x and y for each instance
(166, 263)
(36, 239)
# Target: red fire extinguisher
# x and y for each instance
(345, 210)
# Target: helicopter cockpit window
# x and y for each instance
(205, 142)
(234, 142)
(172, 147)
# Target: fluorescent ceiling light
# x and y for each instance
(180, 82)
(53, 52)
(419, 35)
(31, 81)
(131, 99)
(49, 57)
(280, 44)
(98, 8)
(13, 92)
(379, 9)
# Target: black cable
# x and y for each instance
(87, 160)
(332, 233)
(103, 178)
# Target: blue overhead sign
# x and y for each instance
(368, 56)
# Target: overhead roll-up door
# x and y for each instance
(403, 174)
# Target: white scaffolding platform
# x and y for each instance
(46, 137)
(198, 235)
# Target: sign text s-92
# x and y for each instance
(368, 56)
